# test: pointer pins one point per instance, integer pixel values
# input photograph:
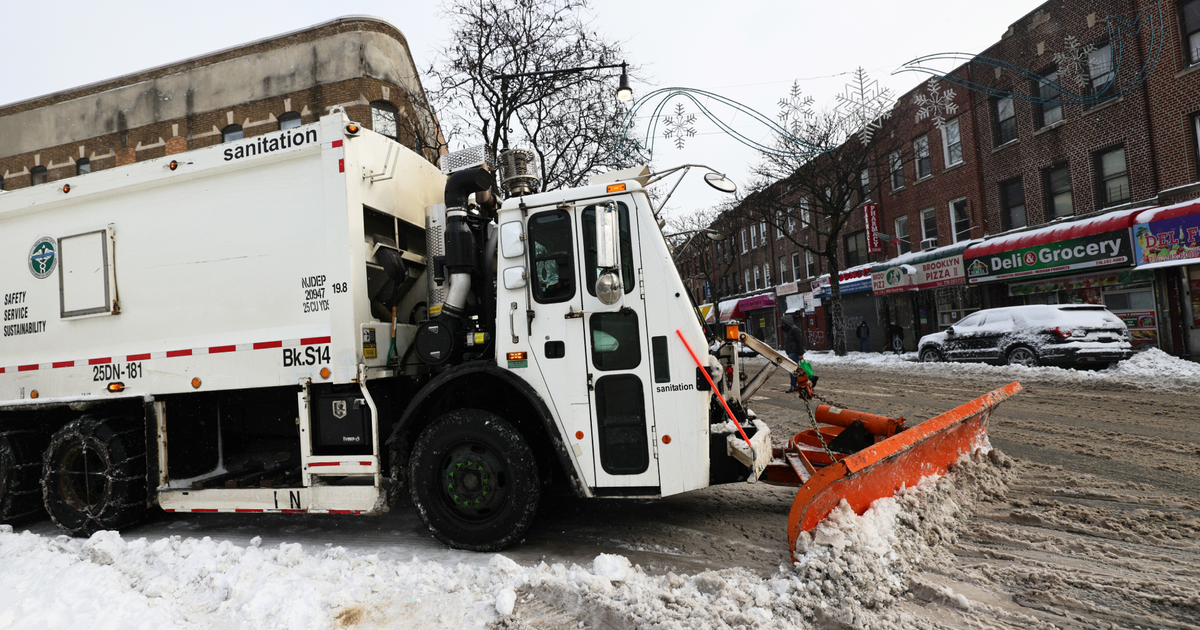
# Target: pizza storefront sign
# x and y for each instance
(1084, 252)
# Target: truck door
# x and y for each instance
(617, 367)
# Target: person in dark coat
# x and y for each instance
(864, 337)
(793, 345)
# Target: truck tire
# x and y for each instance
(94, 475)
(20, 477)
(474, 480)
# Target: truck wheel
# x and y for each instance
(20, 477)
(474, 480)
(94, 475)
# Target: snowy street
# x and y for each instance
(1089, 519)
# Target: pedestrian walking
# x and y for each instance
(793, 346)
(864, 337)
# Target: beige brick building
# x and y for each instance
(360, 64)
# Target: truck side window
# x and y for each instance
(616, 342)
(553, 256)
(621, 419)
(589, 244)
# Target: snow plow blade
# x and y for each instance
(881, 469)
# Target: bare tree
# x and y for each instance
(822, 192)
(698, 257)
(570, 119)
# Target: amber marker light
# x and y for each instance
(173, 165)
(666, 439)
(353, 129)
(731, 332)
(516, 356)
(66, 188)
(324, 372)
(579, 435)
(615, 187)
(196, 383)
(33, 393)
(116, 387)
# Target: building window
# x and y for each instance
(791, 221)
(231, 133)
(1006, 121)
(778, 224)
(83, 166)
(2, 183)
(757, 278)
(897, 167)
(289, 120)
(745, 241)
(864, 185)
(1114, 179)
(952, 143)
(383, 119)
(1191, 30)
(748, 285)
(37, 175)
(1012, 204)
(762, 232)
(796, 270)
(903, 243)
(960, 219)
(1195, 123)
(929, 228)
(810, 264)
(855, 246)
(767, 274)
(1049, 107)
(1058, 192)
(783, 270)
(753, 237)
(805, 218)
(921, 157)
(1100, 67)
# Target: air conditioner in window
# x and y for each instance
(929, 243)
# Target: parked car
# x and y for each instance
(1069, 335)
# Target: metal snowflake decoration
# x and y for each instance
(679, 126)
(864, 106)
(1073, 62)
(938, 105)
(795, 110)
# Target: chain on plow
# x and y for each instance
(812, 420)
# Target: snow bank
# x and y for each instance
(1145, 370)
(849, 572)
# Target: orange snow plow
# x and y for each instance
(860, 457)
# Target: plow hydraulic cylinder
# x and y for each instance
(882, 426)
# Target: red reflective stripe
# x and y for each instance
(337, 143)
(179, 353)
(204, 510)
(240, 510)
(103, 361)
(364, 463)
(220, 349)
(268, 344)
(293, 511)
(27, 368)
(342, 512)
(168, 509)
(138, 357)
(314, 340)
(341, 166)
(60, 364)
(1, 370)
(326, 464)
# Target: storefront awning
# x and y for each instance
(921, 270)
(707, 313)
(853, 280)
(1061, 247)
(766, 300)
(728, 309)
(1168, 236)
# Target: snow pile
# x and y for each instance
(1145, 370)
(849, 571)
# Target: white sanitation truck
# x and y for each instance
(311, 320)
(212, 332)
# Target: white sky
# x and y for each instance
(749, 51)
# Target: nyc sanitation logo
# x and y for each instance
(43, 257)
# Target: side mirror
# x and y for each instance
(608, 253)
(950, 331)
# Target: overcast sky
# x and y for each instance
(749, 51)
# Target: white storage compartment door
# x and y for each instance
(85, 274)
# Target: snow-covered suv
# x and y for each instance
(1066, 335)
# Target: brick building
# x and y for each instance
(1034, 140)
(360, 64)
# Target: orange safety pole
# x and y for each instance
(704, 371)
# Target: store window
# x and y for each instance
(1113, 178)
(1049, 107)
(955, 303)
(1012, 204)
(1058, 192)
